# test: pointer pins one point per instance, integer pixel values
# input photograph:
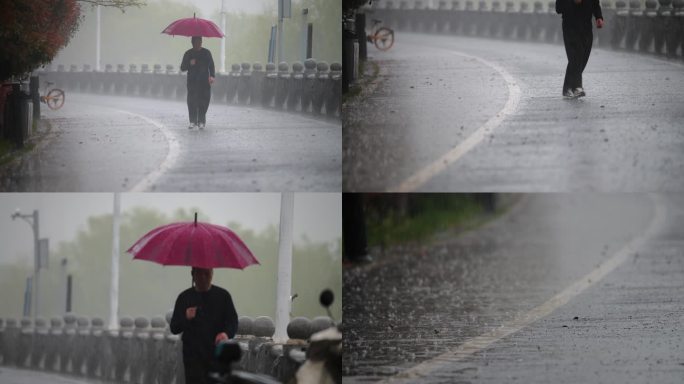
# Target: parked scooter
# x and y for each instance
(323, 363)
(227, 353)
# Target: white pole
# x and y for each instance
(223, 39)
(97, 59)
(284, 285)
(114, 287)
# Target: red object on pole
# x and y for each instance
(192, 26)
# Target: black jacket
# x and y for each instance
(579, 13)
(199, 73)
(215, 314)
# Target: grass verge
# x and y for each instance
(428, 215)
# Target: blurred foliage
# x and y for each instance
(135, 37)
(149, 289)
(399, 218)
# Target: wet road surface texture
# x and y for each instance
(22, 376)
(501, 100)
(410, 314)
(105, 143)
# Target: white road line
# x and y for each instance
(424, 175)
(171, 156)
(479, 343)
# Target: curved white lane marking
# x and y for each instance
(419, 178)
(479, 343)
(171, 156)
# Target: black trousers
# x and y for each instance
(196, 371)
(578, 39)
(198, 102)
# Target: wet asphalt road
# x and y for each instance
(418, 302)
(434, 92)
(22, 376)
(105, 143)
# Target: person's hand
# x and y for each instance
(190, 313)
(211, 80)
(599, 23)
(193, 61)
(220, 337)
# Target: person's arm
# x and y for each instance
(185, 64)
(231, 321)
(178, 321)
(598, 15)
(211, 64)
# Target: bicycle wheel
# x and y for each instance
(384, 38)
(55, 99)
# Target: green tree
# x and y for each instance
(149, 289)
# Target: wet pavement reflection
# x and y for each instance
(417, 301)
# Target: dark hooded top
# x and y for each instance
(199, 73)
(215, 314)
(579, 13)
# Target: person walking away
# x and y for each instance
(205, 314)
(578, 38)
(200, 66)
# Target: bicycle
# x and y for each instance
(54, 98)
(381, 37)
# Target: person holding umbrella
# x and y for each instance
(204, 313)
(199, 64)
(201, 73)
(578, 38)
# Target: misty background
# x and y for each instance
(134, 37)
(79, 228)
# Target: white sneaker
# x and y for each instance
(569, 94)
(201, 125)
(192, 125)
(579, 92)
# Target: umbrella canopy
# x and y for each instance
(194, 244)
(192, 26)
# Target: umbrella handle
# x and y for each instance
(195, 219)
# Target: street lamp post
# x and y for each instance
(33, 221)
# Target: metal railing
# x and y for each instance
(311, 87)
(657, 27)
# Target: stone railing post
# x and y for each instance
(40, 341)
(256, 84)
(52, 346)
(282, 84)
(138, 353)
(171, 362)
(294, 95)
(80, 346)
(10, 339)
(121, 348)
(232, 83)
(25, 343)
(153, 368)
(269, 86)
(321, 87)
(96, 348)
(309, 84)
(243, 91)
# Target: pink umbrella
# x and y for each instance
(193, 27)
(194, 244)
